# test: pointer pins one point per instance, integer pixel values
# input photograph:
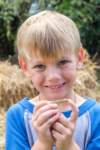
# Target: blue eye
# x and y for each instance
(39, 67)
(64, 62)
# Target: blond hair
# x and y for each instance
(48, 33)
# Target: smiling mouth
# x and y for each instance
(55, 86)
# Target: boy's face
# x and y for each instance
(54, 79)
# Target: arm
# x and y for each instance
(16, 136)
(94, 142)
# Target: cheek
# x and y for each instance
(70, 74)
(37, 79)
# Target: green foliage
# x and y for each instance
(12, 13)
(86, 14)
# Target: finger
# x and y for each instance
(74, 112)
(57, 126)
(39, 104)
(66, 122)
(44, 117)
(45, 108)
(51, 121)
(56, 135)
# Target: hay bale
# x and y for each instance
(87, 84)
(14, 85)
(2, 129)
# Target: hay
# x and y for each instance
(87, 83)
(13, 85)
(2, 129)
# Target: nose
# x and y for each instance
(53, 74)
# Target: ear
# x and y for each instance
(23, 66)
(80, 58)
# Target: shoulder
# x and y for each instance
(95, 118)
(15, 126)
(95, 109)
(16, 107)
(94, 106)
(15, 117)
(16, 111)
(95, 113)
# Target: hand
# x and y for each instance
(63, 130)
(44, 116)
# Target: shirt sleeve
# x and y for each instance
(16, 135)
(94, 142)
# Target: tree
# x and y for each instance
(87, 17)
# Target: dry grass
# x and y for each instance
(2, 129)
(87, 83)
(14, 86)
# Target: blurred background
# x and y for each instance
(13, 84)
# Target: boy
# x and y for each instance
(50, 52)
